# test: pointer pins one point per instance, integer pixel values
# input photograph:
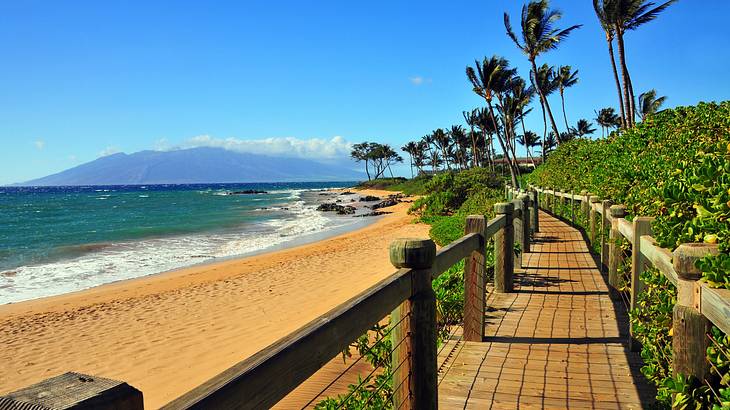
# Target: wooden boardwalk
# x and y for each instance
(558, 342)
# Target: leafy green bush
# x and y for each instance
(414, 186)
(675, 166)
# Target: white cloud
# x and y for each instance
(39, 144)
(312, 148)
(108, 151)
(418, 80)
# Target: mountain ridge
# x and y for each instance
(194, 165)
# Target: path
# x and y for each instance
(558, 342)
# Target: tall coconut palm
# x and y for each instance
(630, 15)
(649, 103)
(489, 79)
(539, 36)
(583, 128)
(488, 129)
(566, 78)
(605, 10)
(607, 119)
(546, 84)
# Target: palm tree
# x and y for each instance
(488, 128)
(566, 78)
(550, 144)
(649, 103)
(630, 15)
(546, 83)
(459, 139)
(529, 140)
(490, 79)
(583, 127)
(471, 118)
(441, 140)
(539, 36)
(607, 119)
(411, 148)
(605, 11)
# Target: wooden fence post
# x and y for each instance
(504, 255)
(535, 211)
(689, 341)
(474, 272)
(592, 217)
(415, 358)
(572, 207)
(584, 207)
(77, 391)
(641, 226)
(614, 246)
(517, 216)
(526, 218)
(606, 207)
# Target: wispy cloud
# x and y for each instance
(39, 144)
(418, 80)
(108, 151)
(313, 148)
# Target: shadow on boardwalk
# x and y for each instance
(558, 341)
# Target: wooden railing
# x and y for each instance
(698, 305)
(269, 375)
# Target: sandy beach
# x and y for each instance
(167, 333)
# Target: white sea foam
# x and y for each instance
(135, 259)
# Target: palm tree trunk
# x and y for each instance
(544, 101)
(609, 39)
(502, 144)
(625, 77)
(565, 117)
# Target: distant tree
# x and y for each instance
(607, 119)
(583, 128)
(539, 35)
(529, 140)
(471, 118)
(412, 149)
(550, 143)
(460, 141)
(546, 83)
(566, 78)
(649, 103)
(441, 140)
(360, 152)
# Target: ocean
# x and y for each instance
(55, 240)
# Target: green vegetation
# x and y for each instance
(674, 166)
(415, 186)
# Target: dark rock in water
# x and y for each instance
(332, 207)
(352, 200)
(347, 193)
(338, 201)
(369, 198)
(247, 192)
(385, 204)
(284, 209)
(324, 194)
(375, 213)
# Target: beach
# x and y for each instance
(165, 334)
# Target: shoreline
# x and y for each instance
(335, 226)
(158, 332)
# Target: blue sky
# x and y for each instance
(80, 79)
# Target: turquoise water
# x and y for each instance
(56, 240)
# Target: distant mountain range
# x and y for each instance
(195, 165)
